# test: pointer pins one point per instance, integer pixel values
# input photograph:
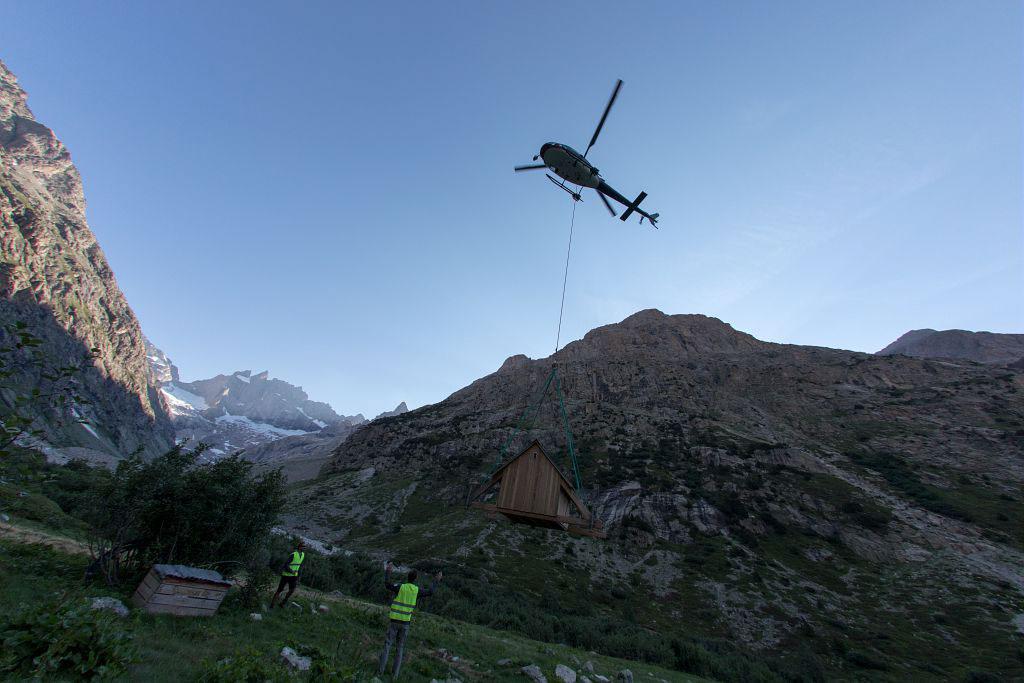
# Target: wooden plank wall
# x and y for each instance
(531, 484)
(178, 596)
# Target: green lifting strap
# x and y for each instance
(533, 411)
(570, 442)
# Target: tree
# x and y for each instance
(175, 509)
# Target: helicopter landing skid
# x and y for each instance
(575, 195)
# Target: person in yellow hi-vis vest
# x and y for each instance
(403, 604)
(290, 574)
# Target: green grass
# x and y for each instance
(1001, 515)
(348, 637)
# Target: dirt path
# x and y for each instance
(23, 535)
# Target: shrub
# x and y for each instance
(65, 639)
(257, 587)
(865, 660)
(247, 665)
(981, 677)
(173, 509)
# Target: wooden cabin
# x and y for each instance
(530, 489)
(184, 591)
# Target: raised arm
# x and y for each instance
(393, 587)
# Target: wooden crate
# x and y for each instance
(184, 591)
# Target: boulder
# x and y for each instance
(323, 609)
(600, 679)
(625, 676)
(534, 673)
(109, 605)
(588, 666)
(295, 660)
(504, 662)
(565, 674)
(255, 616)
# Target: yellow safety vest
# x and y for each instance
(405, 602)
(293, 566)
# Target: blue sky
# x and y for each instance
(326, 191)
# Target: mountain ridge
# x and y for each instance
(980, 347)
(810, 483)
(248, 412)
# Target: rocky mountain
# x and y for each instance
(246, 411)
(55, 279)
(981, 347)
(399, 409)
(302, 456)
(163, 369)
(862, 514)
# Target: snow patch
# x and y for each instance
(261, 428)
(242, 377)
(181, 400)
(319, 423)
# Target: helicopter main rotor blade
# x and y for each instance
(600, 124)
(606, 204)
(531, 167)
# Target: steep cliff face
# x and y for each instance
(754, 491)
(54, 276)
(981, 347)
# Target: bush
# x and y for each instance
(33, 506)
(175, 510)
(981, 677)
(65, 639)
(246, 666)
(864, 660)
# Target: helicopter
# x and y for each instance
(569, 165)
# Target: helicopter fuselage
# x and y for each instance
(570, 165)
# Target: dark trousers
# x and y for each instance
(291, 582)
(396, 630)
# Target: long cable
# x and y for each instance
(565, 277)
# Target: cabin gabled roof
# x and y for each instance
(567, 488)
(526, 450)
